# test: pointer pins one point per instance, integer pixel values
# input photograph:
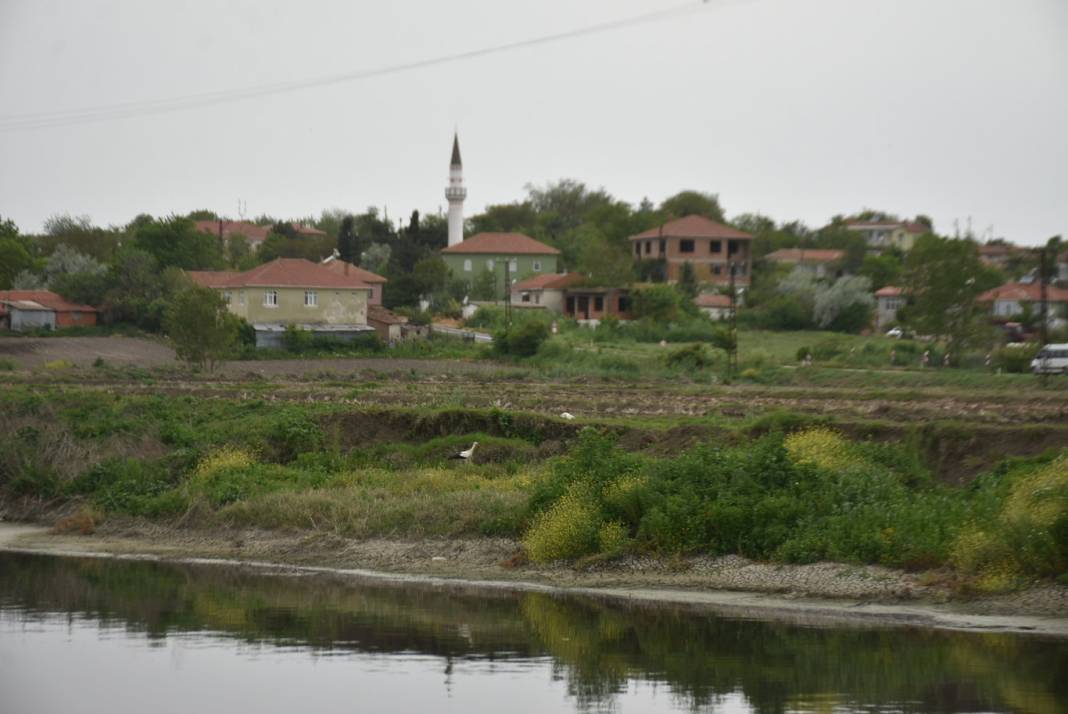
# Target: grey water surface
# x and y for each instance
(99, 635)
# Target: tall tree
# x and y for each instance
(201, 327)
(176, 241)
(943, 277)
(346, 241)
(685, 203)
(13, 260)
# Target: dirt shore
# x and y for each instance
(820, 592)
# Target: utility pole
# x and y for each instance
(732, 336)
(508, 293)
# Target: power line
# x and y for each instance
(121, 110)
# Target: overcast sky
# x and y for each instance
(799, 109)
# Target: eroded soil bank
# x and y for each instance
(820, 592)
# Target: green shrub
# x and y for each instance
(523, 340)
(1029, 536)
(1015, 360)
(612, 537)
(7, 365)
(691, 357)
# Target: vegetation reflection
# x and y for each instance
(596, 646)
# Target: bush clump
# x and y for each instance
(823, 448)
(570, 528)
(523, 340)
(1029, 536)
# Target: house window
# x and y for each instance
(624, 303)
(524, 297)
(241, 298)
(715, 246)
(663, 247)
(717, 269)
(570, 305)
(648, 247)
(311, 298)
(732, 247)
(685, 246)
(270, 298)
(537, 266)
(513, 266)
(598, 304)
(489, 264)
(227, 296)
(75, 316)
(637, 248)
(467, 265)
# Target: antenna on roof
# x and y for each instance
(242, 206)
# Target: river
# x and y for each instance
(102, 635)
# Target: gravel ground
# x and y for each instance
(495, 560)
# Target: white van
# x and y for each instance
(1051, 359)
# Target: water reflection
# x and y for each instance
(600, 654)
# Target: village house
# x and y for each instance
(293, 291)
(1008, 302)
(253, 234)
(822, 263)
(544, 291)
(710, 247)
(514, 254)
(372, 280)
(998, 255)
(881, 235)
(591, 305)
(41, 309)
(716, 305)
(888, 300)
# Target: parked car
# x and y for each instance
(1051, 359)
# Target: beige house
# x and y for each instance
(822, 263)
(881, 235)
(710, 248)
(544, 291)
(293, 291)
(715, 305)
(888, 300)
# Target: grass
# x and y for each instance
(785, 486)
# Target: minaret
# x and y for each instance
(456, 194)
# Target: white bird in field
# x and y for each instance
(466, 453)
(567, 415)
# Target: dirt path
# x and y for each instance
(819, 593)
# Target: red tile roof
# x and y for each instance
(249, 230)
(549, 281)
(1020, 292)
(692, 227)
(510, 243)
(41, 300)
(304, 230)
(377, 313)
(804, 255)
(889, 291)
(281, 273)
(712, 300)
(336, 265)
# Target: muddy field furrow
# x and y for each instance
(600, 401)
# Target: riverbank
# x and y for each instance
(732, 586)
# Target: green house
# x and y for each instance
(506, 256)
